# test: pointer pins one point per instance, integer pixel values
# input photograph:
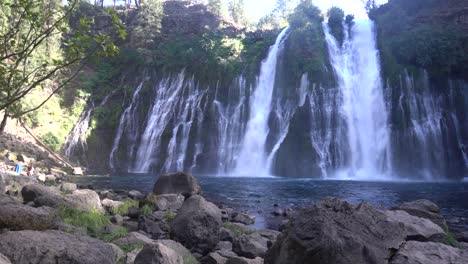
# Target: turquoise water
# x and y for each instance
(259, 195)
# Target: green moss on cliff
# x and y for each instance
(423, 34)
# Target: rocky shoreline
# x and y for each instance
(66, 223)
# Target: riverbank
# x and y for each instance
(174, 223)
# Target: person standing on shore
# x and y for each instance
(19, 168)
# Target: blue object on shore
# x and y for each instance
(19, 168)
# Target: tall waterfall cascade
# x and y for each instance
(252, 159)
(356, 127)
(356, 64)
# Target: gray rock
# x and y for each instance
(177, 183)
(179, 249)
(243, 219)
(157, 229)
(117, 219)
(110, 205)
(78, 171)
(22, 158)
(172, 202)
(131, 256)
(224, 245)
(134, 238)
(334, 231)
(4, 260)
(130, 225)
(424, 209)
(417, 228)
(88, 199)
(197, 225)
(214, 258)
(22, 217)
(50, 178)
(7, 199)
(31, 247)
(135, 195)
(226, 234)
(68, 187)
(2, 186)
(34, 191)
(414, 252)
(251, 246)
(158, 253)
(462, 236)
(227, 253)
(241, 260)
(119, 255)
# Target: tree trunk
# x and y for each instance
(4, 122)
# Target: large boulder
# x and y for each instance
(34, 247)
(165, 202)
(417, 228)
(251, 246)
(414, 252)
(4, 260)
(89, 199)
(197, 225)
(158, 253)
(425, 209)
(22, 217)
(177, 183)
(334, 231)
(86, 200)
(33, 191)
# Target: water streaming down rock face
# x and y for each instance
(75, 143)
(309, 129)
(357, 69)
(429, 135)
(252, 159)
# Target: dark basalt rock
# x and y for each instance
(177, 183)
(334, 231)
(34, 247)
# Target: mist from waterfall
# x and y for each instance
(357, 68)
(252, 159)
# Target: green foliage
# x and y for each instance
(237, 230)
(93, 222)
(216, 7)
(304, 15)
(451, 240)
(189, 259)
(51, 141)
(169, 216)
(131, 247)
(236, 10)
(125, 207)
(419, 38)
(147, 209)
(305, 49)
(335, 22)
(116, 233)
(147, 25)
(37, 47)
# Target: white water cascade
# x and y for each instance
(77, 138)
(356, 64)
(252, 159)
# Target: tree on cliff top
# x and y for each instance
(38, 46)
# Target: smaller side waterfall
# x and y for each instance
(129, 125)
(76, 140)
(252, 158)
(176, 107)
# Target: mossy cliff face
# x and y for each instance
(424, 59)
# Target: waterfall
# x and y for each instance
(176, 107)
(252, 158)
(357, 69)
(230, 125)
(76, 140)
(129, 125)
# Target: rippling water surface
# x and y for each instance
(259, 195)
